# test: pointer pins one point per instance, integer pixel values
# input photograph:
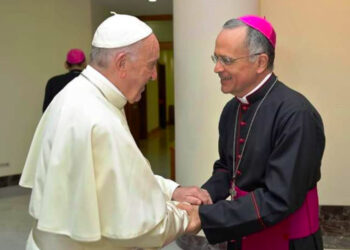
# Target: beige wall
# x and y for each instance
(35, 38)
(99, 12)
(313, 51)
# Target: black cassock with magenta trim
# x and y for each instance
(277, 141)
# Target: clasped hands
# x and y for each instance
(190, 198)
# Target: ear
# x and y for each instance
(120, 64)
(262, 63)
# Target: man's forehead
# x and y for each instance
(150, 54)
(231, 41)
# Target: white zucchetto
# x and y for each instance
(120, 31)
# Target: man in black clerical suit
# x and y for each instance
(271, 142)
(75, 63)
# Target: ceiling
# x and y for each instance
(137, 7)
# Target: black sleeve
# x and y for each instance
(49, 95)
(292, 170)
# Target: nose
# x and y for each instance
(218, 67)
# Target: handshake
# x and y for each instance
(190, 198)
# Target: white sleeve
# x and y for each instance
(173, 225)
(167, 186)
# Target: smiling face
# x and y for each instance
(240, 77)
(142, 68)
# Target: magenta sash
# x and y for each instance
(301, 223)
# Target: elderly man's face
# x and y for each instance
(240, 77)
(143, 69)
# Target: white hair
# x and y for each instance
(101, 57)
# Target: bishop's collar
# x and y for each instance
(259, 91)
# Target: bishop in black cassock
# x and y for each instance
(271, 143)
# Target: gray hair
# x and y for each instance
(102, 57)
(255, 41)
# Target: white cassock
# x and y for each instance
(91, 186)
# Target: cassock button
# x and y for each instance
(243, 123)
(238, 156)
(239, 172)
(241, 140)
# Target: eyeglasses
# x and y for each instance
(224, 60)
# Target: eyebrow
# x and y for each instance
(222, 55)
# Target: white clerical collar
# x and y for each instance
(108, 89)
(244, 98)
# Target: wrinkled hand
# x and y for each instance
(193, 195)
(194, 225)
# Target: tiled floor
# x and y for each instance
(15, 222)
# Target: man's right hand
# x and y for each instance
(194, 225)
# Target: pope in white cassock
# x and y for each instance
(91, 186)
